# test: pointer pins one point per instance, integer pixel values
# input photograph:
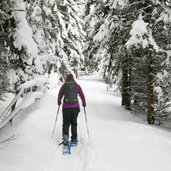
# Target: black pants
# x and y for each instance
(70, 118)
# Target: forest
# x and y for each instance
(127, 42)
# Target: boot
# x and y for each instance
(74, 142)
(65, 140)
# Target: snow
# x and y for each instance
(7, 99)
(20, 37)
(119, 3)
(23, 40)
(119, 140)
(103, 32)
(159, 92)
(29, 99)
(138, 32)
(39, 81)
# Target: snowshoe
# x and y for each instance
(66, 145)
(74, 142)
(66, 149)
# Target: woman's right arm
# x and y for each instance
(80, 92)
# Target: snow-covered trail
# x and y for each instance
(119, 141)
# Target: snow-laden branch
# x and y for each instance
(27, 100)
(39, 81)
(4, 118)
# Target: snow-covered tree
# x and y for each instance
(95, 28)
(41, 16)
(134, 38)
(70, 22)
(6, 26)
(26, 59)
(161, 34)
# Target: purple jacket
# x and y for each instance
(71, 105)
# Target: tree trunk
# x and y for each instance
(150, 108)
(125, 88)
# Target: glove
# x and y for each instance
(84, 104)
(59, 103)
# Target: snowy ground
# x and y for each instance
(119, 141)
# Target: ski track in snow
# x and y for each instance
(119, 140)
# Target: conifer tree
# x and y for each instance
(70, 17)
(95, 15)
(25, 59)
(6, 26)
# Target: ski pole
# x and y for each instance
(55, 121)
(86, 124)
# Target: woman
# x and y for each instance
(70, 90)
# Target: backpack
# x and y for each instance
(70, 93)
